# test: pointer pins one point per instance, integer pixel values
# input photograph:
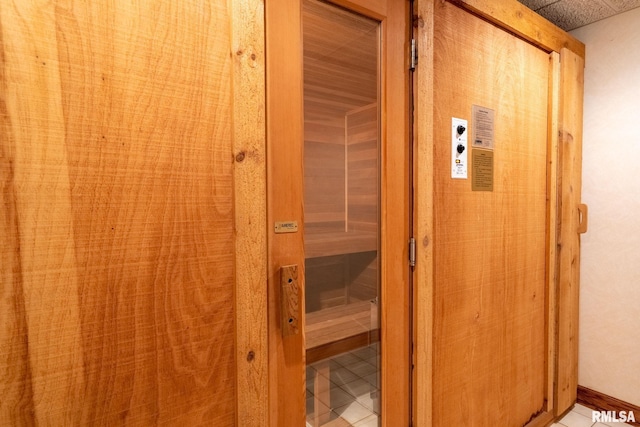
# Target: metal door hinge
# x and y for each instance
(412, 252)
(413, 55)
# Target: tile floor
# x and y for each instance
(580, 416)
(355, 396)
(354, 393)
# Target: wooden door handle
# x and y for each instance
(583, 221)
(289, 300)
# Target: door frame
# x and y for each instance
(284, 130)
(566, 72)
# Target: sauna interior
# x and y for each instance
(341, 199)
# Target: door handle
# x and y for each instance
(289, 300)
(583, 220)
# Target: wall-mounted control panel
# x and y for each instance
(459, 148)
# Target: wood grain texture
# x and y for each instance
(117, 146)
(423, 215)
(552, 228)
(362, 152)
(327, 282)
(16, 406)
(570, 145)
(364, 273)
(394, 214)
(285, 203)
(290, 313)
(339, 329)
(519, 19)
(508, 15)
(45, 282)
(250, 205)
(340, 77)
(490, 247)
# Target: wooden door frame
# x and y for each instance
(564, 175)
(286, 389)
(250, 212)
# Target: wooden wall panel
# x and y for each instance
(423, 215)
(490, 247)
(363, 160)
(250, 206)
(564, 105)
(285, 133)
(519, 19)
(117, 175)
(570, 146)
(324, 177)
(327, 282)
(363, 276)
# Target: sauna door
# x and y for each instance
(488, 242)
(338, 209)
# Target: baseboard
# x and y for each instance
(601, 402)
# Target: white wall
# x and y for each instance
(610, 271)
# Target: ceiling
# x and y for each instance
(571, 14)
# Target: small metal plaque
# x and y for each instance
(286, 227)
(481, 170)
(483, 126)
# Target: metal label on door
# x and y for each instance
(286, 227)
(483, 127)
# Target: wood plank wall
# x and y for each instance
(341, 159)
(363, 276)
(340, 150)
(117, 219)
(570, 190)
(363, 160)
(327, 282)
(490, 247)
(324, 173)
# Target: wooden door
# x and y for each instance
(120, 124)
(338, 171)
(486, 295)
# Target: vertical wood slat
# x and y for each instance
(285, 135)
(361, 171)
(117, 132)
(394, 217)
(47, 377)
(552, 228)
(250, 188)
(570, 145)
(423, 166)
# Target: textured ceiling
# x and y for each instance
(571, 14)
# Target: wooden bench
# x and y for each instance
(336, 330)
(333, 331)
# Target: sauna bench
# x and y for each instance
(339, 243)
(339, 329)
(332, 331)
